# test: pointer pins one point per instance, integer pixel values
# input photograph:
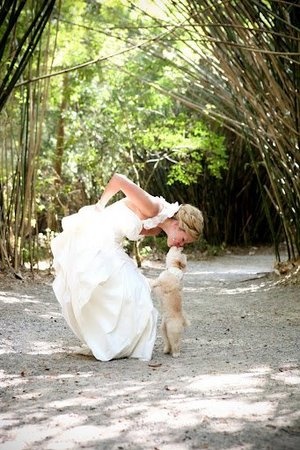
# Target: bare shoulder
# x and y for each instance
(140, 201)
(149, 208)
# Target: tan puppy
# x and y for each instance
(168, 287)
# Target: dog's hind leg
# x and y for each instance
(167, 347)
(174, 333)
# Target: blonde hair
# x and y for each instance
(190, 220)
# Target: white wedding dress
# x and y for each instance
(105, 299)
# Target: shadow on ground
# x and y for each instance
(235, 386)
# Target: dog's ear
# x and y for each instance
(181, 265)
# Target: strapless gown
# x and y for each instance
(104, 297)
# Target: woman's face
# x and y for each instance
(178, 237)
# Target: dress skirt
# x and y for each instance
(104, 297)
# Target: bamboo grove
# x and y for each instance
(197, 101)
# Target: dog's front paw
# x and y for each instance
(176, 355)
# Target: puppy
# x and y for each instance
(168, 288)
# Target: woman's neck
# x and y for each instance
(167, 225)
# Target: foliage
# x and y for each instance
(193, 102)
(248, 79)
(21, 27)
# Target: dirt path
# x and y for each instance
(236, 385)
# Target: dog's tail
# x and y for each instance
(186, 321)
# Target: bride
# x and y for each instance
(105, 299)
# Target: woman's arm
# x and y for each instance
(142, 203)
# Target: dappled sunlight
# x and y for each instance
(239, 289)
(7, 297)
(75, 401)
(191, 289)
(219, 273)
(36, 348)
(252, 288)
(236, 426)
(290, 376)
(237, 377)
(44, 348)
(196, 409)
(82, 434)
(10, 380)
(50, 315)
(32, 433)
(238, 382)
(7, 346)
(93, 408)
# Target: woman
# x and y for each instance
(105, 299)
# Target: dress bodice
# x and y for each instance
(128, 224)
(115, 222)
(123, 221)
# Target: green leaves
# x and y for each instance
(194, 153)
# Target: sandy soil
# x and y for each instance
(235, 386)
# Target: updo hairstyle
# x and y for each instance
(190, 220)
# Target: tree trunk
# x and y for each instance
(60, 139)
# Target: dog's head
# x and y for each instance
(175, 258)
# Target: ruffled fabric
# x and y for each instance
(167, 210)
(105, 299)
